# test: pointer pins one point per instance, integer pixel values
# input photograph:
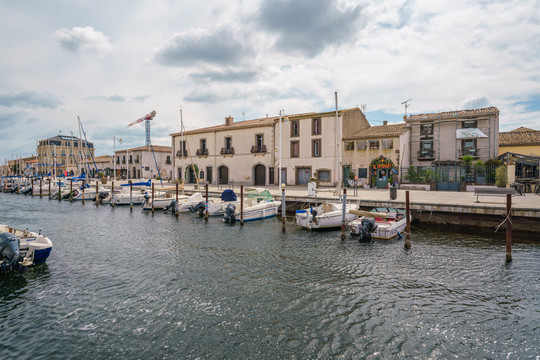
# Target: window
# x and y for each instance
(426, 149)
(168, 161)
(295, 149)
(259, 140)
(228, 143)
(295, 128)
(316, 126)
(209, 174)
(323, 175)
(362, 173)
(374, 144)
(387, 143)
(468, 147)
(202, 143)
(469, 124)
(361, 145)
(426, 129)
(131, 159)
(349, 145)
(316, 148)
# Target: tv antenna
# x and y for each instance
(406, 103)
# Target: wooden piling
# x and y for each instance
(83, 191)
(176, 204)
(508, 227)
(152, 198)
(40, 188)
(283, 206)
(206, 206)
(408, 217)
(71, 190)
(97, 193)
(49, 188)
(112, 193)
(32, 187)
(59, 190)
(241, 205)
(343, 214)
(130, 195)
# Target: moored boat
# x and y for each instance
(259, 204)
(33, 248)
(388, 223)
(324, 216)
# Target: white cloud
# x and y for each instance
(84, 40)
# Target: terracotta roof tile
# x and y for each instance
(520, 137)
(379, 132)
(452, 114)
(159, 148)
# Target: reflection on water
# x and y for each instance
(132, 285)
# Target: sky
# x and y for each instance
(112, 62)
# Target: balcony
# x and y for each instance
(181, 153)
(426, 155)
(136, 161)
(168, 162)
(256, 149)
(202, 152)
(131, 161)
(123, 161)
(227, 151)
(469, 151)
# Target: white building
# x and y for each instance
(143, 162)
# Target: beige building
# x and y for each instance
(104, 166)
(374, 155)
(64, 153)
(522, 141)
(248, 152)
(26, 166)
(140, 162)
(445, 137)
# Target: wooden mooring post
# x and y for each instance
(83, 183)
(344, 214)
(112, 194)
(97, 193)
(40, 188)
(283, 206)
(59, 190)
(176, 204)
(206, 205)
(71, 190)
(130, 196)
(32, 187)
(49, 188)
(241, 205)
(152, 198)
(508, 228)
(408, 217)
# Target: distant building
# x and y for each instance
(61, 153)
(248, 152)
(522, 141)
(375, 154)
(22, 166)
(103, 166)
(140, 162)
(444, 138)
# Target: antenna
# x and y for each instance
(406, 103)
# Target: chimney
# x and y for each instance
(385, 122)
(229, 120)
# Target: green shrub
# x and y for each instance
(500, 176)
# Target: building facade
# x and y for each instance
(522, 141)
(445, 137)
(60, 154)
(251, 152)
(375, 155)
(143, 162)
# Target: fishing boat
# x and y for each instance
(30, 249)
(324, 216)
(259, 204)
(388, 223)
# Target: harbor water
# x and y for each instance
(129, 285)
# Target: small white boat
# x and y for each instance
(388, 223)
(216, 206)
(33, 248)
(161, 201)
(259, 204)
(324, 216)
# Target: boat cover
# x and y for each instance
(228, 195)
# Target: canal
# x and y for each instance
(136, 286)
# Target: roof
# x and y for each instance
(378, 132)
(157, 148)
(103, 158)
(521, 136)
(262, 122)
(492, 110)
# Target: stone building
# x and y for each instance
(63, 153)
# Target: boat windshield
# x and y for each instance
(255, 193)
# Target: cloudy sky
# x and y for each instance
(112, 62)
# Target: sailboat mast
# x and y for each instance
(338, 141)
(182, 144)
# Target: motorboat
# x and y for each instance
(162, 200)
(325, 216)
(216, 206)
(259, 204)
(22, 248)
(387, 223)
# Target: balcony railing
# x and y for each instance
(136, 161)
(181, 153)
(256, 149)
(202, 152)
(426, 154)
(168, 162)
(123, 161)
(131, 161)
(227, 151)
(469, 151)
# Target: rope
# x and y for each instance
(507, 218)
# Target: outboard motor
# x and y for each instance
(314, 215)
(229, 217)
(102, 196)
(200, 207)
(171, 206)
(9, 254)
(367, 228)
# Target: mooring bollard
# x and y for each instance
(71, 190)
(407, 215)
(176, 203)
(283, 206)
(206, 206)
(508, 227)
(130, 195)
(241, 205)
(344, 214)
(152, 198)
(83, 183)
